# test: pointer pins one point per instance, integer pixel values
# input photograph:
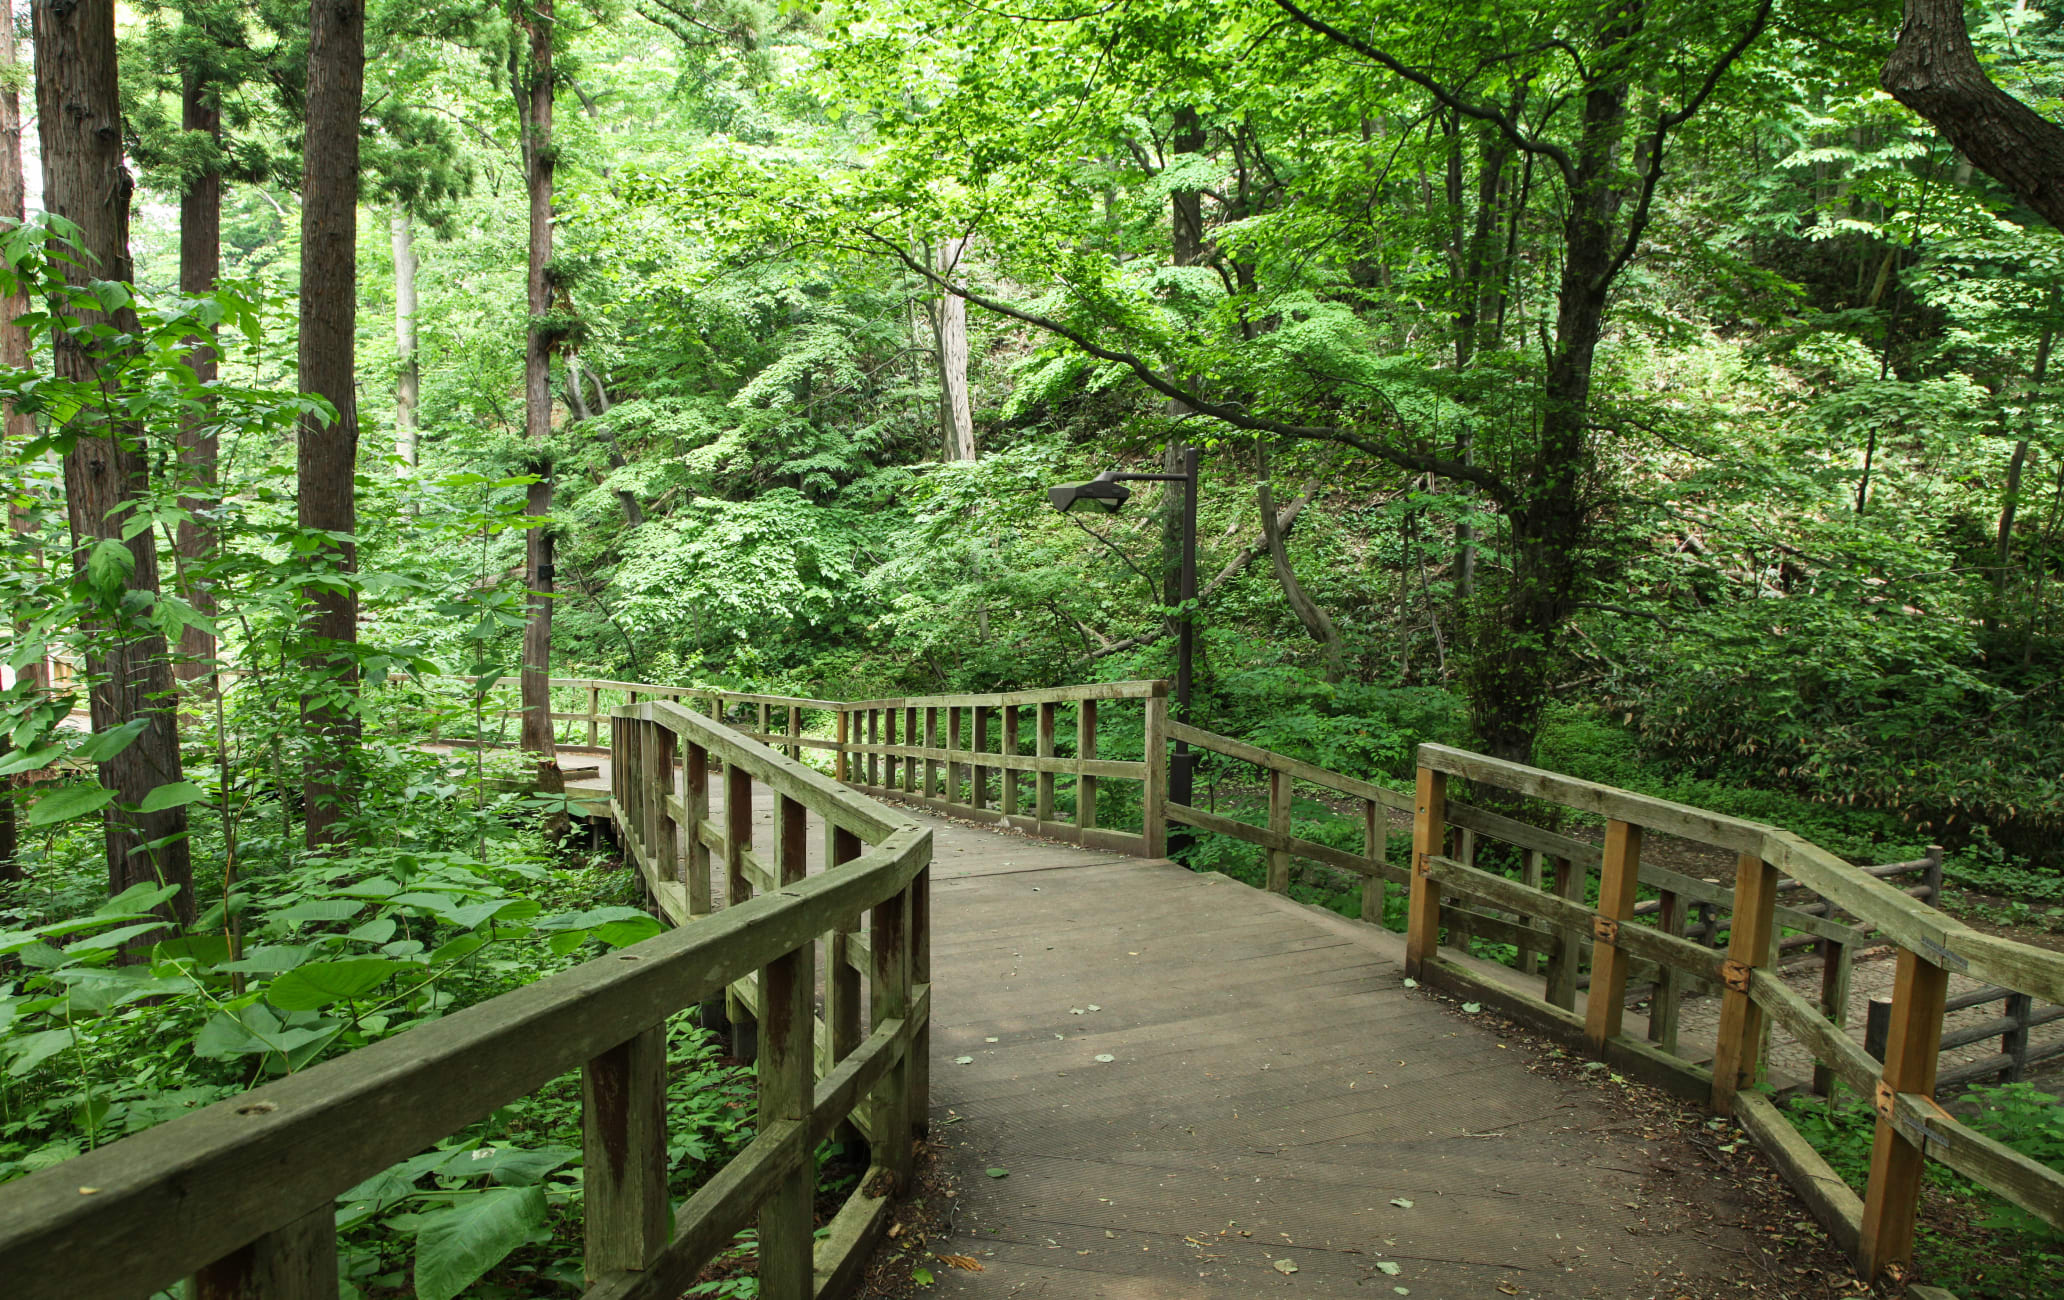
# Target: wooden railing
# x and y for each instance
(1878, 1228)
(965, 755)
(240, 1196)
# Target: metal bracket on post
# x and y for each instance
(1914, 1128)
(1735, 974)
(1943, 957)
(1605, 929)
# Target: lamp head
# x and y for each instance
(1100, 493)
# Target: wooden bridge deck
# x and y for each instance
(1273, 1090)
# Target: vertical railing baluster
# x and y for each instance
(1892, 1199)
(1043, 805)
(594, 713)
(842, 990)
(931, 741)
(297, 1262)
(1737, 1047)
(978, 795)
(738, 794)
(626, 1219)
(788, 1079)
(1834, 1004)
(1429, 835)
(889, 739)
(1375, 837)
(1009, 745)
(911, 739)
(954, 744)
(1085, 753)
(1668, 989)
(1154, 791)
(1568, 955)
(1278, 824)
(1618, 879)
(1530, 876)
(888, 937)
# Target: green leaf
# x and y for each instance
(31, 1050)
(104, 745)
(508, 1166)
(622, 934)
(68, 802)
(318, 909)
(921, 1276)
(321, 983)
(456, 1247)
(109, 565)
(135, 900)
(176, 795)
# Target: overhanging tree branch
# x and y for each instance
(1405, 458)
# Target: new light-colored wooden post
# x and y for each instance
(788, 1081)
(1279, 823)
(594, 713)
(888, 935)
(297, 1262)
(978, 774)
(1561, 988)
(1085, 751)
(627, 1220)
(1374, 837)
(1429, 833)
(1154, 789)
(695, 800)
(1010, 747)
(1043, 806)
(1617, 880)
(737, 889)
(1735, 1048)
(1889, 1204)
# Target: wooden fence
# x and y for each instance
(240, 1196)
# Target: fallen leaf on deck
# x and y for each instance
(1471, 1008)
(997, 1173)
(968, 1262)
(1285, 1266)
(963, 1060)
(1389, 1269)
(1106, 1057)
(1401, 1202)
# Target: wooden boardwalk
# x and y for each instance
(1272, 1093)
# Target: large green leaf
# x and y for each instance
(455, 1247)
(68, 802)
(318, 909)
(102, 746)
(321, 983)
(178, 794)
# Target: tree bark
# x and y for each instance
(401, 229)
(328, 457)
(2011, 499)
(19, 427)
(200, 268)
(956, 411)
(1315, 620)
(576, 384)
(1934, 71)
(532, 84)
(79, 119)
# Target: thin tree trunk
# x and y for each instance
(1307, 610)
(2011, 499)
(956, 412)
(401, 229)
(576, 384)
(79, 117)
(328, 456)
(19, 426)
(532, 84)
(200, 269)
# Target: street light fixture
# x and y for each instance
(1107, 492)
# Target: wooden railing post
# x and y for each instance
(910, 740)
(1085, 751)
(955, 743)
(1530, 876)
(1429, 834)
(297, 1262)
(1890, 1202)
(838, 756)
(1834, 1004)
(737, 888)
(795, 733)
(1665, 994)
(978, 795)
(1154, 789)
(660, 837)
(888, 935)
(695, 802)
(1461, 929)
(889, 738)
(624, 1141)
(788, 1079)
(1606, 1004)
(931, 741)
(1009, 745)
(841, 978)
(1738, 1045)
(1043, 787)
(594, 713)
(1375, 840)
(1279, 822)
(1561, 987)
(2020, 1009)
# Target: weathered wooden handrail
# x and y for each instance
(1878, 1229)
(240, 1195)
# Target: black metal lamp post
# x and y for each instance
(1107, 492)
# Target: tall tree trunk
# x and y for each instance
(1515, 654)
(80, 123)
(328, 457)
(532, 84)
(407, 376)
(956, 412)
(1934, 71)
(19, 426)
(200, 269)
(1186, 248)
